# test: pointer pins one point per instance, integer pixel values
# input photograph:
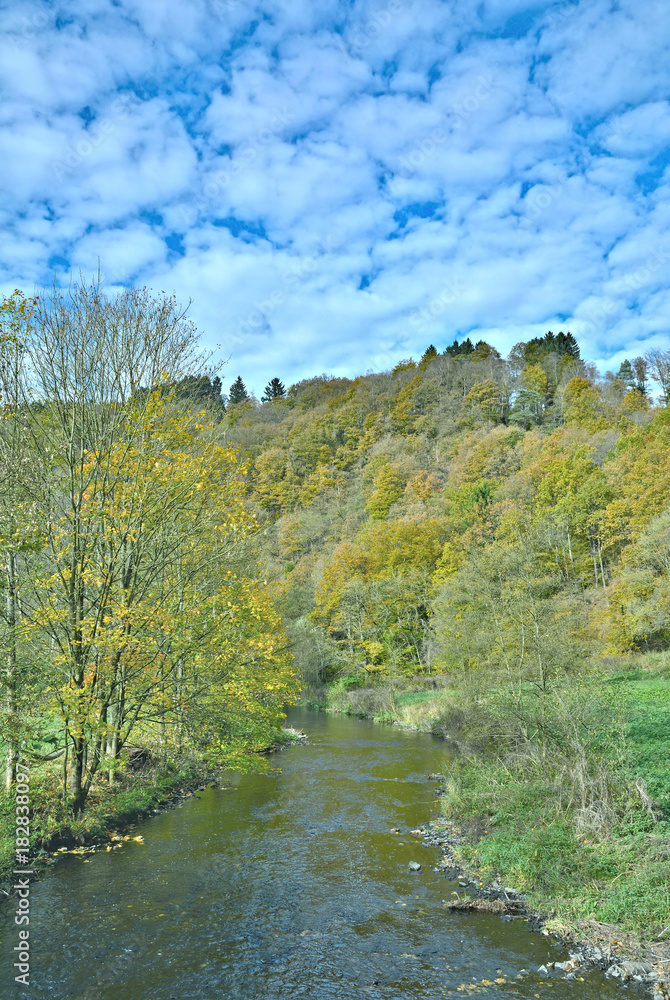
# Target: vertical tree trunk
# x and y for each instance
(76, 773)
(12, 744)
(593, 556)
(600, 559)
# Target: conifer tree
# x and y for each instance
(275, 389)
(429, 354)
(238, 391)
(626, 374)
(465, 347)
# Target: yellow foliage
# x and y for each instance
(389, 484)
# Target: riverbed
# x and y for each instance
(289, 885)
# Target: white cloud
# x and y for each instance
(336, 185)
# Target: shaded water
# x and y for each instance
(288, 886)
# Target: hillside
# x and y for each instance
(480, 547)
(465, 512)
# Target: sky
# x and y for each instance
(337, 184)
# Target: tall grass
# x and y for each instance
(556, 784)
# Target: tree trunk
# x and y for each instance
(76, 773)
(12, 743)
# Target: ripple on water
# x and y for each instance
(292, 887)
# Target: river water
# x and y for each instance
(284, 886)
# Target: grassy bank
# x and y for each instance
(564, 794)
(137, 791)
(108, 809)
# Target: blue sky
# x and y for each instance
(336, 184)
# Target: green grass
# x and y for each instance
(414, 698)
(647, 700)
(604, 857)
(620, 877)
(107, 808)
(609, 862)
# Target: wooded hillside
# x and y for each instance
(466, 511)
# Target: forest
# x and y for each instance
(466, 511)
(479, 547)
(474, 544)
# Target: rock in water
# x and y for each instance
(414, 866)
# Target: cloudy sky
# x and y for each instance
(338, 183)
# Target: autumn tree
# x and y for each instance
(20, 522)
(121, 498)
(659, 369)
(428, 355)
(504, 610)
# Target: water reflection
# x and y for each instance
(286, 886)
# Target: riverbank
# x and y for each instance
(564, 796)
(590, 943)
(110, 811)
(145, 787)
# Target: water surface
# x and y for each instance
(285, 886)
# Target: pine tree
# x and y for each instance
(238, 391)
(552, 343)
(429, 354)
(465, 347)
(273, 390)
(199, 389)
(626, 374)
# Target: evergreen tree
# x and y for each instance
(626, 374)
(238, 391)
(465, 347)
(552, 343)
(567, 344)
(429, 354)
(275, 389)
(199, 389)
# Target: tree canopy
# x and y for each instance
(238, 392)
(275, 389)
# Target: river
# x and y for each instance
(283, 886)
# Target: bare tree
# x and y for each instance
(659, 369)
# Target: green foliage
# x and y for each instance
(198, 390)
(388, 487)
(275, 389)
(552, 788)
(238, 392)
(463, 349)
